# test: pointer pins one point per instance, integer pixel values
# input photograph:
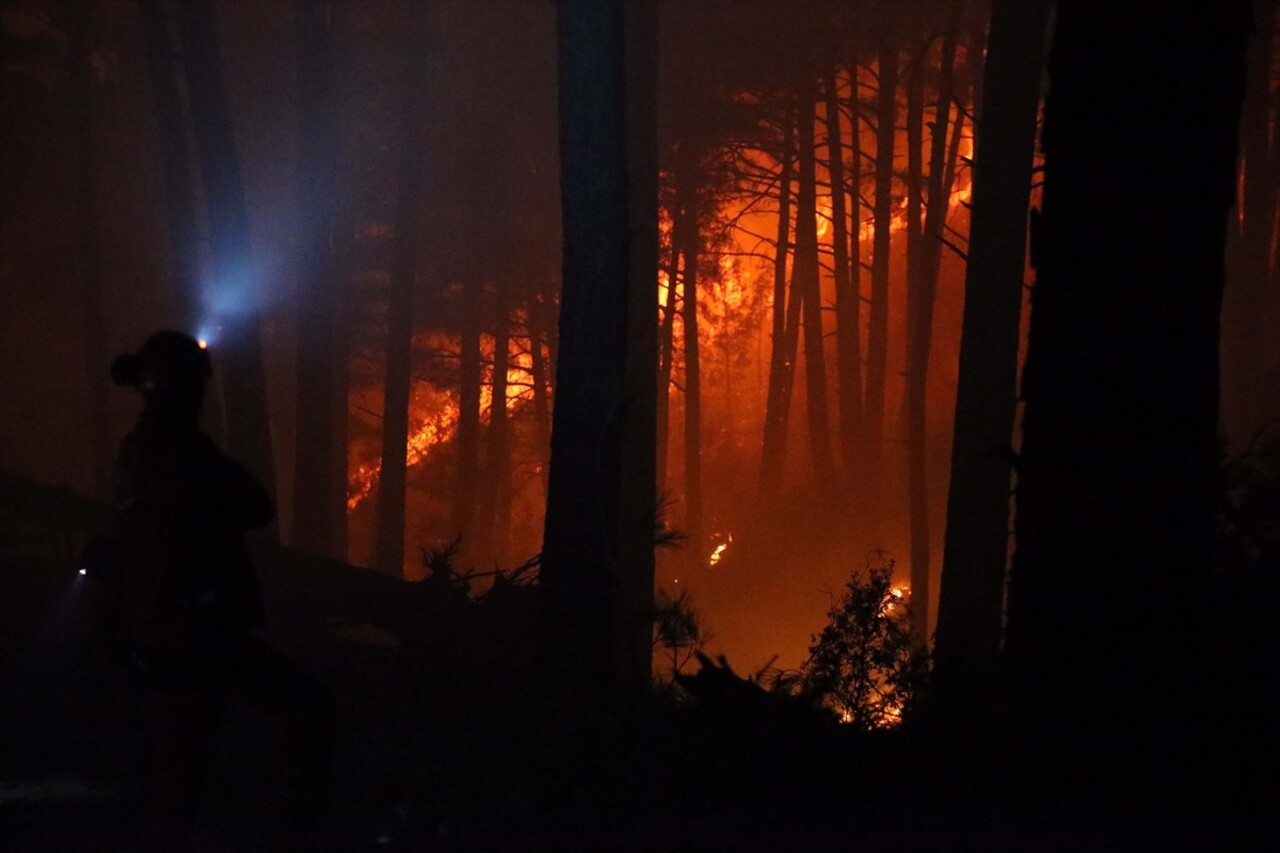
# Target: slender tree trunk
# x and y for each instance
(807, 285)
(316, 490)
(1119, 451)
(468, 442)
(855, 280)
(339, 405)
(399, 347)
(783, 343)
(848, 309)
(88, 256)
(239, 343)
(541, 405)
(971, 600)
(498, 459)
(878, 332)
(666, 337)
(180, 205)
(921, 296)
(692, 387)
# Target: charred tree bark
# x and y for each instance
(921, 296)
(782, 354)
(88, 256)
(1119, 449)
(317, 492)
(975, 554)
(399, 347)
(878, 331)
(180, 204)
(848, 307)
(807, 288)
(240, 341)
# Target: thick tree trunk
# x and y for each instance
(782, 353)
(1118, 466)
(180, 205)
(316, 490)
(878, 331)
(921, 296)
(233, 295)
(848, 308)
(971, 600)
(595, 549)
(88, 256)
(807, 287)
(638, 504)
(399, 347)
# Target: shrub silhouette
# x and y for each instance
(862, 666)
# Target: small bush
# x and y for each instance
(862, 665)
(678, 634)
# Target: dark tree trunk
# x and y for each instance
(692, 385)
(316, 490)
(924, 261)
(1251, 384)
(855, 234)
(807, 288)
(88, 256)
(180, 205)
(497, 522)
(339, 403)
(971, 600)
(848, 307)
(1118, 465)
(782, 354)
(468, 442)
(239, 342)
(399, 345)
(878, 331)
(638, 504)
(603, 413)
(666, 332)
(538, 369)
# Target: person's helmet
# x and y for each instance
(169, 365)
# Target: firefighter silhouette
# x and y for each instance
(189, 597)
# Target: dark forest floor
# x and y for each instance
(438, 747)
